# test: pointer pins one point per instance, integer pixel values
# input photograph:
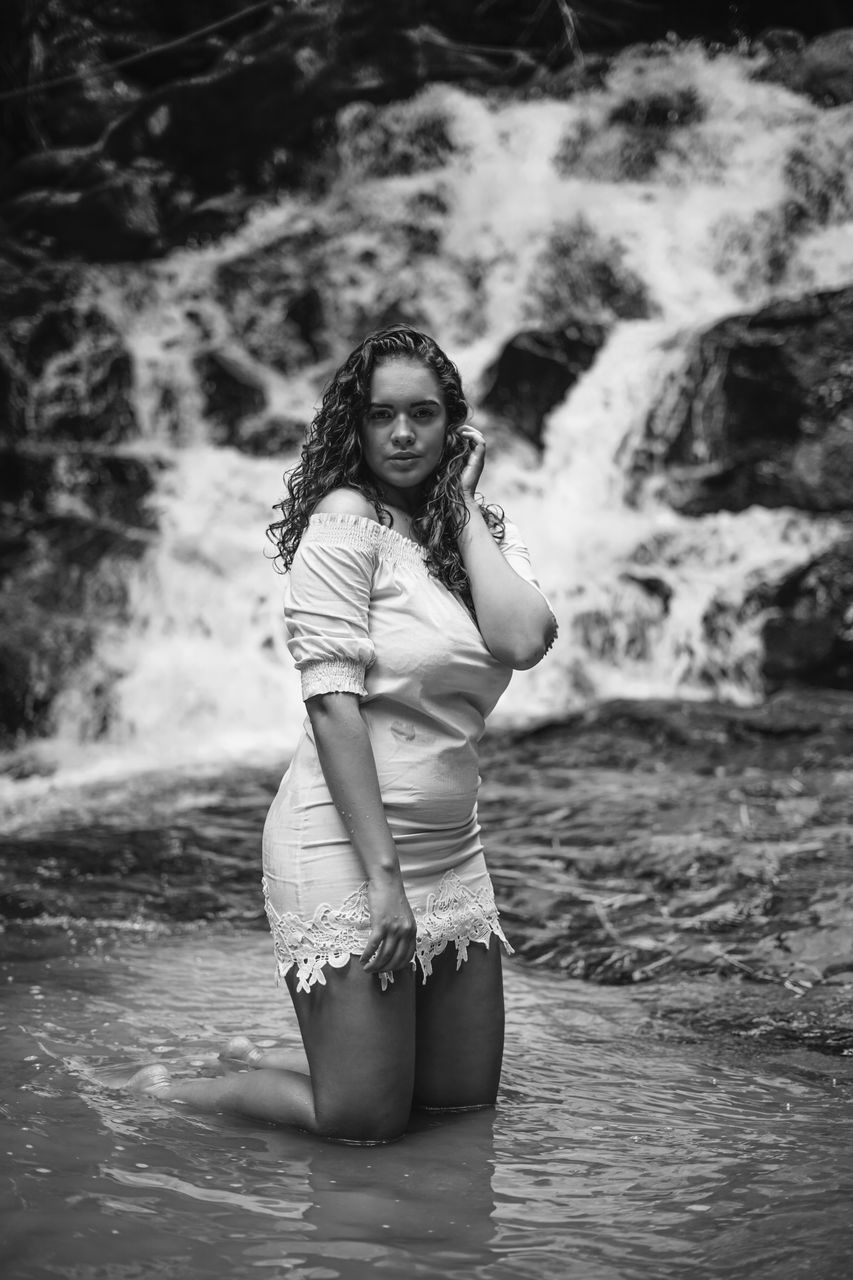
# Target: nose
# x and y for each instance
(402, 429)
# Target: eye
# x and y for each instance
(425, 412)
(378, 415)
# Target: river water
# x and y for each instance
(618, 1151)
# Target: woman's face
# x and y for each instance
(404, 428)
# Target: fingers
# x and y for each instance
(476, 442)
(392, 949)
(475, 437)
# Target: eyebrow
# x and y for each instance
(413, 404)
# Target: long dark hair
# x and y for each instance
(332, 458)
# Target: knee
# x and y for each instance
(363, 1119)
(456, 1098)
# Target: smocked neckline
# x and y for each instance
(346, 517)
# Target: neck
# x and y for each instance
(405, 501)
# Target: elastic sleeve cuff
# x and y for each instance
(332, 675)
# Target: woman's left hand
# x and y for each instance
(470, 477)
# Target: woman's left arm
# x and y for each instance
(514, 619)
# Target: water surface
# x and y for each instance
(614, 1154)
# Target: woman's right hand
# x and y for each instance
(391, 943)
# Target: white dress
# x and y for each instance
(365, 616)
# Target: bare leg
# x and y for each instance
(360, 1043)
(241, 1050)
(460, 1030)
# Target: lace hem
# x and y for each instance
(332, 675)
(455, 914)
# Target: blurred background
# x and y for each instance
(630, 224)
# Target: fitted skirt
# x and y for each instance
(315, 892)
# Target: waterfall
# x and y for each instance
(510, 211)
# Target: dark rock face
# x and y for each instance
(274, 305)
(71, 522)
(582, 275)
(822, 70)
(74, 509)
(235, 401)
(534, 372)
(808, 636)
(230, 391)
(763, 413)
(125, 164)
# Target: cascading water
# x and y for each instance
(502, 212)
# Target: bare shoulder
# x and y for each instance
(346, 502)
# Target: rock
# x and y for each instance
(71, 522)
(401, 140)
(273, 300)
(582, 275)
(535, 371)
(660, 109)
(234, 403)
(822, 70)
(64, 370)
(269, 437)
(781, 40)
(654, 587)
(108, 486)
(808, 636)
(84, 392)
(762, 413)
(116, 218)
(231, 393)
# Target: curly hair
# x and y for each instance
(332, 458)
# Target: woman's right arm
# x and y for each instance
(346, 758)
(328, 617)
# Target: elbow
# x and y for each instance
(526, 649)
(522, 659)
(528, 659)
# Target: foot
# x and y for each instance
(154, 1078)
(243, 1050)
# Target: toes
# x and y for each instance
(242, 1049)
(151, 1079)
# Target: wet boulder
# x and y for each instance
(761, 413)
(115, 218)
(821, 69)
(535, 371)
(232, 393)
(235, 404)
(66, 372)
(808, 632)
(269, 436)
(273, 300)
(73, 522)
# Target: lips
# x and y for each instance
(403, 457)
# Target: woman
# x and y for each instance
(408, 604)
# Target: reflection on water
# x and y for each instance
(612, 1154)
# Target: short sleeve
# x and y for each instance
(327, 604)
(518, 557)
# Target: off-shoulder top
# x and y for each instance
(365, 616)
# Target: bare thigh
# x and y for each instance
(460, 1030)
(360, 1045)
